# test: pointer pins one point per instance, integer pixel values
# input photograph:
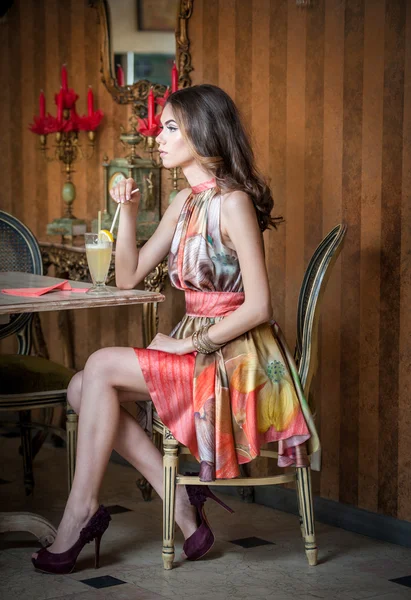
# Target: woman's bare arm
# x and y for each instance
(132, 265)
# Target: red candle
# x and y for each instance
(90, 102)
(42, 105)
(60, 106)
(120, 76)
(150, 108)
(64, 82)
(174, 78)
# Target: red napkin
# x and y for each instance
(63, 286)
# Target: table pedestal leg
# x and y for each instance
(44, 531)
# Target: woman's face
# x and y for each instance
(174, 150)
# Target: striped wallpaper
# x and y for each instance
(326, 95)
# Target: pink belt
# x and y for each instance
(212, 304)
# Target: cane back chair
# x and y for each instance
(312, 289)
(29, 382)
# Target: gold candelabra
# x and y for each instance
(67, 150)
(66, 126)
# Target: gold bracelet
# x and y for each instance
(205, 340)
(198, 345)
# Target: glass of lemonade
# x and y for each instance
(98, 251)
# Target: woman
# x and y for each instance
(222, 381)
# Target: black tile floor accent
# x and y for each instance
(251, 542)
(102, 582)
(403, 580)
(116, 509)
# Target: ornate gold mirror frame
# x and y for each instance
(137, 93)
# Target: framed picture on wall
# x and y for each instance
(157, 15)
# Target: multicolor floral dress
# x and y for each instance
(223, 406)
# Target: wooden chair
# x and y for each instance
(312, 289)
(30, 382)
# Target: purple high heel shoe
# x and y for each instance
(64, 562)
(201, 541)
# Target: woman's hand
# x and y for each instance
(168, 344)
(121, 193)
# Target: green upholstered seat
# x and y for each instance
(30, 374)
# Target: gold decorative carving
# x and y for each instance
(69, 262)
(154, 282)
(40, 346)
(183, 56)
(169, 436)
(137, 93)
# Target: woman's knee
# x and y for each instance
(74, 391)
(116, 368)
(99, 365)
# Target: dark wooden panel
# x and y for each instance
(404, 393)
(39, 191)
(226, 47)
(277, 165)
(392, 148)
(374, 21)
(210, 41)
(352, 140)
(242, 65)
(314, 130)
(331, 215)
(14, 194)
(6, 117)
(51, 85)
(295, 165)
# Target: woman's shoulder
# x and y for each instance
(237, 210)
(235, 199)
(182, 195)
(179, 199)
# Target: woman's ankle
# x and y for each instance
(187, 521)
(82, 509)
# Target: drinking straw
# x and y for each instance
(115, 217)
(118, 210)
(99, 239)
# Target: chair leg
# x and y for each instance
(71, 432)
(303, 475)
(158, 440)
(245, 492)
(145, 488)
(26, 448)
(40, 437)
(170, 463)
(300, 513)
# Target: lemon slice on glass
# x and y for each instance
(105, 236)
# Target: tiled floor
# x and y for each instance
(258, 553)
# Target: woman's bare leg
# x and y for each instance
(133, 444)
(110, 374)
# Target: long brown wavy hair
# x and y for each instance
(211, 124)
